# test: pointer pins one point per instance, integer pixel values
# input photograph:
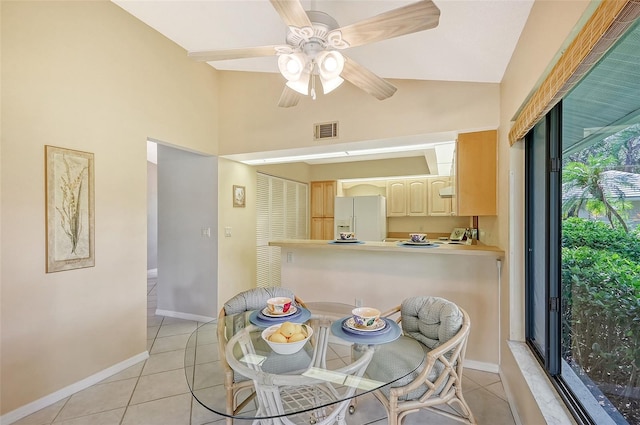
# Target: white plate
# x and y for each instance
(291, 311)
(346, 240)
(416, 243)
(378, 325)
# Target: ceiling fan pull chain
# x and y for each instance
(313, 87)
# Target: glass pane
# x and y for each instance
(600, 237)
(536, 268)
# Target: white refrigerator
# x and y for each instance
(366, 216)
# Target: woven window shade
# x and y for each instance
(609, 21)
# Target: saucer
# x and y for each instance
(346, 241)
(291, 311)
(350, 324)
(411, 243)
(426, 242)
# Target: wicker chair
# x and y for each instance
(252, 299)
(443, 329)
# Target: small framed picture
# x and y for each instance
(238, 196)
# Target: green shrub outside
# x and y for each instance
(601, 302)
(578, 232)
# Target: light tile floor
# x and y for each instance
(155, 392)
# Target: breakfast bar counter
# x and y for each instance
(383, 274)
(435, 248)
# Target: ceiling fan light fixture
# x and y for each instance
(292, 65)
(329, 85)
(301, 85)
(330, 64)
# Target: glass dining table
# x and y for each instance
(315, 385)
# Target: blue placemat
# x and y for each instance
(432, 245)
(301, 316)
(372, 338)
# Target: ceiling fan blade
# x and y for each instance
(288, 98)
(219, 55)
(292, 13)
(411, 18)
(361, 77)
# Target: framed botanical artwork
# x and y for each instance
(69, 209)
(238, 196)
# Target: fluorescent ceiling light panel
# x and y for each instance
(354, 153)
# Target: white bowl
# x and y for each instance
(285, 347)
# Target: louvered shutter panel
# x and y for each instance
(282, 210)
(291, 206)
(262, 231)
(277, 209)
(263, 210)
(302, 218)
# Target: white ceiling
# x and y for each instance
(473, 42)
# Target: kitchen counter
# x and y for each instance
(383, 274)
(439, 249)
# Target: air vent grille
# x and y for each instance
(327, 130)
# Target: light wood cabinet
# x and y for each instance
(322, 228)
(406, 197)
(476, 171)
(438, 205)
(396, 198)
(323, 194)
(416, 197)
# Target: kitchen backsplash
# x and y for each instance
(426, 224)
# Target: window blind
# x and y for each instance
(609, 21)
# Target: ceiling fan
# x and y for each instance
(314, 41)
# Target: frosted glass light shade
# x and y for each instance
(292, 66)
(330, 64)
(331, 84)
(301, 85)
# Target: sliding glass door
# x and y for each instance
(583, 240)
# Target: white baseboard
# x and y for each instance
(65, 392)
(483, 366)
(185, 316)
(510, 399)
(152, 273)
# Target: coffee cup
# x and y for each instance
(418, 237)
(279, 305)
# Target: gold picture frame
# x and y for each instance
(69, 209)
(239, 196)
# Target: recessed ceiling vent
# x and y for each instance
(327, 130)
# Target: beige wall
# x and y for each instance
(252, 122)
(297, 171)
(86, 76)
(548, 30)
(237, 254)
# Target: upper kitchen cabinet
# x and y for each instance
(476, 168)
(396, 198)
(417, 197)
(323, 194)
(438, 205)
(406, 197)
